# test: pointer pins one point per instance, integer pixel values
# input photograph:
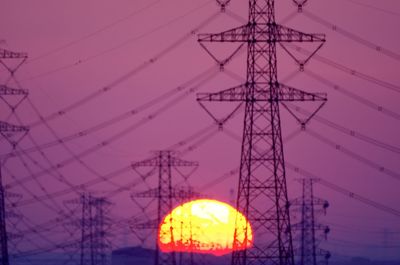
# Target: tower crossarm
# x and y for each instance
(5, 90)
(253, 33)
(151, 193)
(7, 128)
(177, 162)
(237, 93)
(239, 34)
(315, 201)
(286, 34)
(287, 93)
(6, 54)
(152, 224)
(152, 162)
(176, 193)
(240, 93)
(161, 161)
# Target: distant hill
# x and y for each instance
(364, 261)
(144, 256)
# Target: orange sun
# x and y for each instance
(204, 226)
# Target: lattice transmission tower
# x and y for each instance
(93, 223)
(166, 194)
(262, 190)
(308, 252)
(13, 134)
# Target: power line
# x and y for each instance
(344, 191)
(378, 167)
(358, 39)
(366, 102)
(94, 33)
(130, 40)
(386, 11)
(348, 70)
(347, 131)
(118, 118)
(121, 133)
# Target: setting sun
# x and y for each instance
(204, 226)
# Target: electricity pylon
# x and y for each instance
(165, 194)
(13, 134)
(7, 54)
(308, 226)
(92, 223)
(7, 131)
(262, 191)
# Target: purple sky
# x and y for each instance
(78, 48)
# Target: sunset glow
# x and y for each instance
(204, 226)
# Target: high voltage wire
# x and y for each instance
(351, 228)
(387, 11)
(121, 133)
(113, 174)
(330, 185)
(209, 133)
(123, 44)
(99, 92)
(180, 144)
(69, 150)
(121, 117)
(94, 33)
(361, 244)
(347, 131)
(366, 102)
(235, 171)
(56, 208)
(201, 134)
(348, 70)
(353, 37)
(203, 78)
(112, 193)
(46, 158)
(340, 148)
(343, 191)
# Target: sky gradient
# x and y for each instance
(94, 61)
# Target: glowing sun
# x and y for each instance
(204, 226)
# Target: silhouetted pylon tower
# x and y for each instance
(7, 55)
(262, 191)
(12, 133)
(308, 227)
(8, 132)
(165, 161)
(92, 223)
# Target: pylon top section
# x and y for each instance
(260, 30)
(6, 54)
(165, 158)
(13, 133)
(253, 33)
(239, 93)
(182, 193)
(88, 198)
(8, 91)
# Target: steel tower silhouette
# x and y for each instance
(165, 161)
(92, 224)
(308, 226)
(13, 134)
(262, 191)
(7, 131)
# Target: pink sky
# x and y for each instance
(77, 48)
